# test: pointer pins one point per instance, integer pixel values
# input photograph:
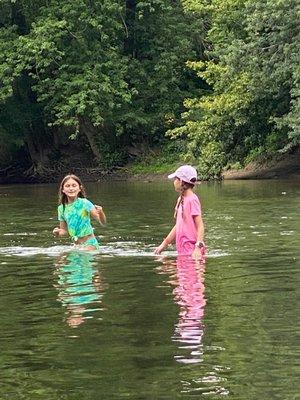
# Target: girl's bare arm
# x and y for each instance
(200, 249)
(200, 228)
(62, 230)
(167, 240)
(98, 213)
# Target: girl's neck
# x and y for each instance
(188, 192)
(71, 200)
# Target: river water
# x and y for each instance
(125, 324)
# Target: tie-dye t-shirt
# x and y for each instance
(77, 217)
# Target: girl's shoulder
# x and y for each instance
(193, 197)
(82, 200)
(86, 202)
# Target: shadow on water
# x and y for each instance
(80, 286)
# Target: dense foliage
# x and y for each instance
(110, 78)
(252, 67)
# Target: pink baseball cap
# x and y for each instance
(186, 173)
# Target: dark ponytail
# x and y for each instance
(184, 187)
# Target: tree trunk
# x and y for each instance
(129, 26)
(88, 129)
(61, 136)
(37, 151)
(17, 17)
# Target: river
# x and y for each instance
(125, 324)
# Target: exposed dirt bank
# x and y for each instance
(282, 167)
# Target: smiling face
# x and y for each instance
(71, 189)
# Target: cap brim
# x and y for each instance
(171, 176)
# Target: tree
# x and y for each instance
(251, 68)
(113, 72)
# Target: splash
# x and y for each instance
(111, 249)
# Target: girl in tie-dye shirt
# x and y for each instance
(74, 213)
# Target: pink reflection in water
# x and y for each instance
(187, 275)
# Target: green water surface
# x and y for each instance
(125, 324)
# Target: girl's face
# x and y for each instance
(71, 188)
(177, 184)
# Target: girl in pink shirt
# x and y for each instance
(189, 228)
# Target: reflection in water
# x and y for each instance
(79, 285)
(188, 278)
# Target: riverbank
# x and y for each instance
(281, 167)
(285, 166)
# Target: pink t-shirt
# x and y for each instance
(186, 231)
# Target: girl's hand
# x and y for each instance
(100, 214)
(59, 232)
(199, 253)
(56, 231)
(160, 248)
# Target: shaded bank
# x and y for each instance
(282, 167)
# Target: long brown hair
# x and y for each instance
(184, 187)
(62, 197)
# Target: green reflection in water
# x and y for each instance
(79, 285)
